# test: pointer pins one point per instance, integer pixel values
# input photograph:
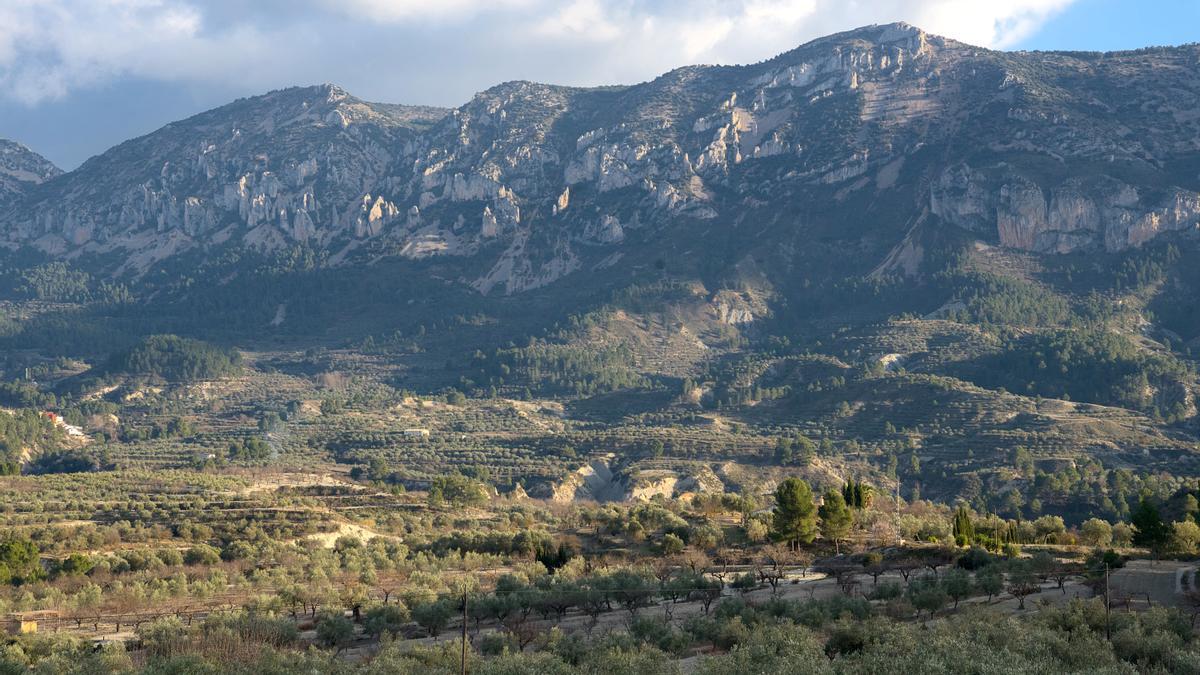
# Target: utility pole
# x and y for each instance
(899, 536)
(1107, 606)
(464, 634)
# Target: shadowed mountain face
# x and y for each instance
(877, 137)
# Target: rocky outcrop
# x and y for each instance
(1096, 212)
(593, 481)
(735, 308)
(596, 481)
(607, 230)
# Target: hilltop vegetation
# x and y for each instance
(172, 358)
(1094, 367)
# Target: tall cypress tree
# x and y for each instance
(857, 494)
(964, 529)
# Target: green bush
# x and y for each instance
(202, 554)
(385, 619)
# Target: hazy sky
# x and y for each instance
(78, 76)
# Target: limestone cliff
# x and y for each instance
(1044, 152)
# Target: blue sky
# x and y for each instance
(78, 76)
(1108, 25)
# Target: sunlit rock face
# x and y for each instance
(1043, 152)
(21, 169)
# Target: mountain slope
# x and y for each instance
(21, 169)
(934, 261)
(876, 138)
(261, 172)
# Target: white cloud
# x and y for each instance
(48, 47)
(402, 10)
(430, 50)
(715, 31)
(581, 19)
(999, 24)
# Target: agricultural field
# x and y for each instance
(881, 355)
(256, 505)
(640, 487)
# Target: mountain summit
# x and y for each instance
(868, 145)
(21, 169)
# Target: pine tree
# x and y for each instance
(1151, 532)
(836, 519)
(795, 517)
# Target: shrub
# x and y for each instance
(385, 619)
(334, 629)
(163, 637)
(202, 554)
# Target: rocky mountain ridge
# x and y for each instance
(21, 169)
(1042, 152)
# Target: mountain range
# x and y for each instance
(869, 147)
(889, 242)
